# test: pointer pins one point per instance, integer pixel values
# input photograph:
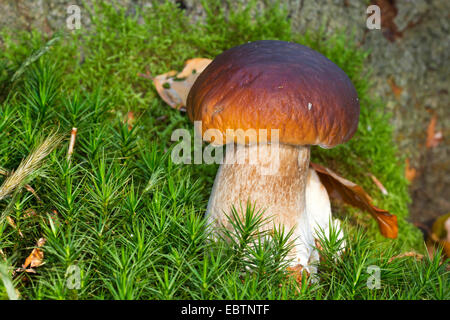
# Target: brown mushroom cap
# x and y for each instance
(281, 85)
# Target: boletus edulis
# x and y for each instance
(270, 101)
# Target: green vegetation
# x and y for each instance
(132, 220)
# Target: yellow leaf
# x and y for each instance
(174, 88)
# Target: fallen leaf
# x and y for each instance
(130, 120)
(397, 90)
(12, 223)
(437, 236)
(441, 226)
(351, 193)
(440, 235)
(433, 137)
(30, 213)
(446, 247)
(174, 87)
(36, 258)
(410, 172)
(433, 243)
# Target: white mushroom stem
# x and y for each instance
(277, 179)
(273, 177)
(318, 209)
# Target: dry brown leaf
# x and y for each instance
(12, 223)
(440, 235)
(446, 247)
(433, 137)
(410, 172)
(433, 243)
(397, 90)
(30, 213)
(130, 120)
(194, 66)
(440, 226)
(351, 193)
(36, 258)
(174, 87)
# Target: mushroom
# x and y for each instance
(273, 99)
(318, 210)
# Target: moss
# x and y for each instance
(109, 57)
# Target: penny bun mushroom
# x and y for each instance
(272, 86)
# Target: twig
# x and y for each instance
(413, 254)
(73, 138)
(378, 184)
